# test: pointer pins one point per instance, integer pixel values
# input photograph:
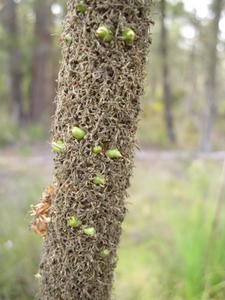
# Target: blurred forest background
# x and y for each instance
(184, 102)
(173, 243)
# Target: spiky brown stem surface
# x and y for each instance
(99, 87)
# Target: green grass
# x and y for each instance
(12, 134)
(19, 247)
(165, 252)
(166, 238)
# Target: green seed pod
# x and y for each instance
(105, 252)
(128, 35)
(57, 146)
(89, 231)
(81, 7)
(68, 37)
(113, 153)
(78, 133)
(73, 222)
(104, 33)
(99, 180)
(97, 149)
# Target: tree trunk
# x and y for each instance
(166, 76)
(40, 82)
(207, 126)
(99, 89)
(9, 19)
(192, 98)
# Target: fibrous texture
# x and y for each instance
(99, 86)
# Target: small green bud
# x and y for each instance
(97, 149)
(89, 231)
(57, 146)
(128, 35)
(99, 180)
(104, 33)
(68, 37)
(73, 222)
(38, 276)
(81, 7)
(78, 133)
(113, 153)
(105, 252)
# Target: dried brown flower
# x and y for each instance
(40, 212)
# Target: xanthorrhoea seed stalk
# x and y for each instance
(99, 87)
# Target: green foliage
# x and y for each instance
(36, 133)
(163, 249)
(19, 247)
(151, 129)
(9, 133)
(163, 252)
(187, 61)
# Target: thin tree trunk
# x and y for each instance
(9, 19)
(192, 98)
(99, 88)
(207, 126)
(40, 60)
(166, 76)
(193, 95)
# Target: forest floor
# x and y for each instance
(165, 251)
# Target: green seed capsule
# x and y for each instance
(113, 153)
(99, 180)
(128, 35)
(68, 37)
(97, 149)
(78, 133)
(81, 7)
(104, 33)
(89, 231)
(105, 252)
(57, 146)
(73, 222)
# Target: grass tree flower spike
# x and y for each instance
(81, 7)
(98, 103)
(113, 153)
(78, 133)
(104, 33)
(128, 35)
(57, 146)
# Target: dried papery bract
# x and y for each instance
(40, 212)
(98, 101)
